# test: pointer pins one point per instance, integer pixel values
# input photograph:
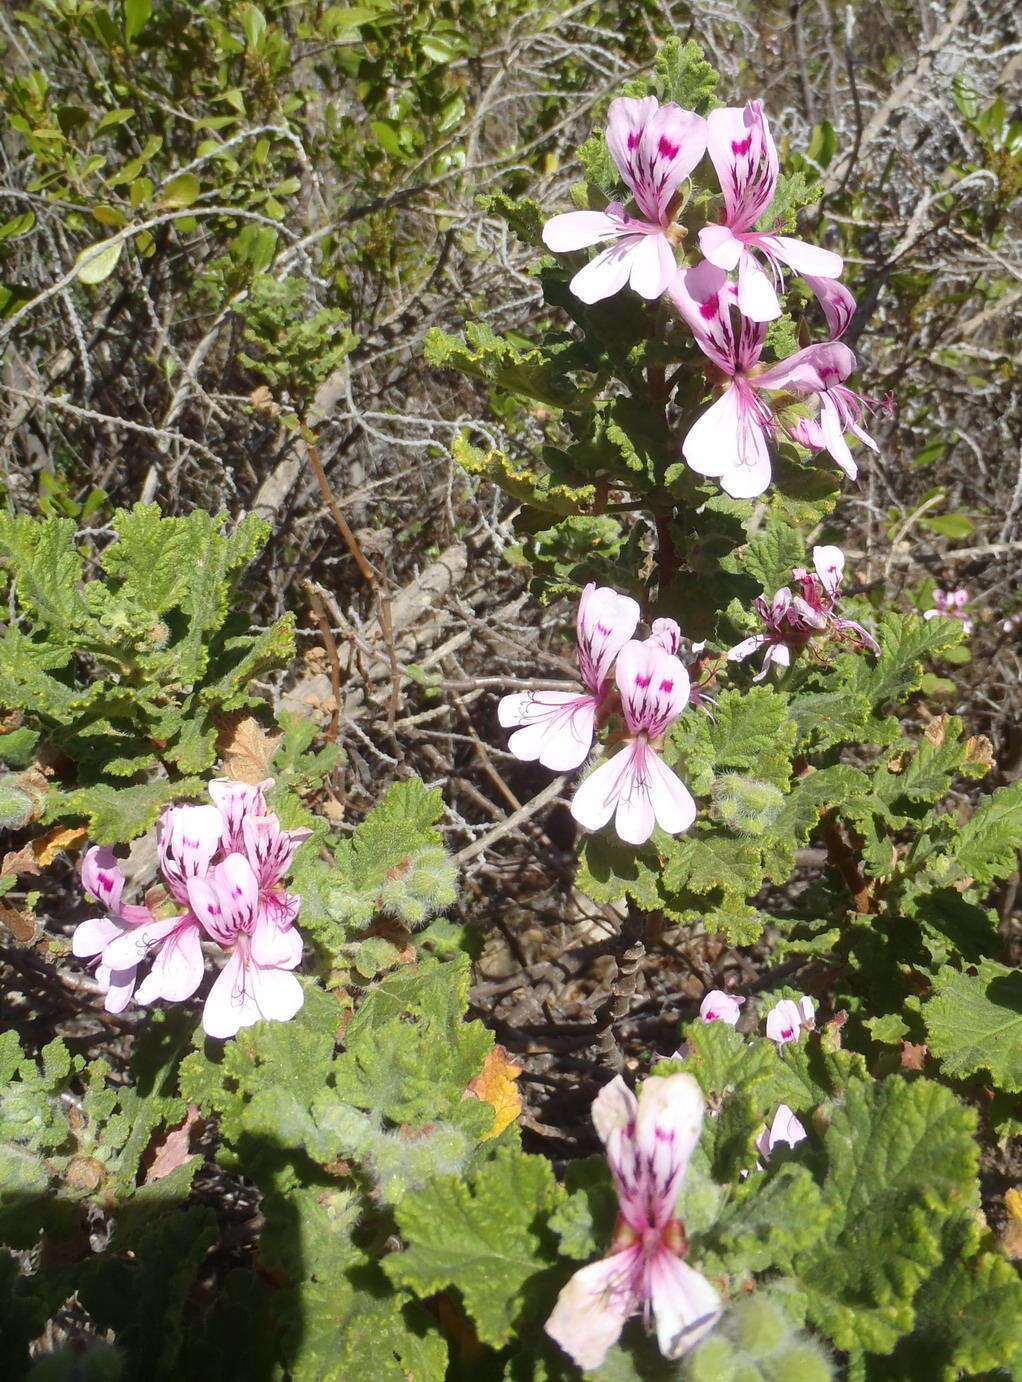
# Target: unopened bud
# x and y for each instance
(84, 1174)
(746, 804)
(17, 807)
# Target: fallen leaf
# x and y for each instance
(20, 861)
(245, 749)
(24, 929)
(48, 846)
(912, 1057)
(173, 1151)
(495, 1085)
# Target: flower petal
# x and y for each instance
(672, 802)
(102, 878)
(596, 799)
(577, 230)
(807, 259)
(757, 297)
(654, 687)
(557, 727)
(653, 266)
(655, 148)
(177, 969)
(667, 1128)
(592, 1308)
(686, 1305)
(608, 273)
(744, 156)
(605, 623)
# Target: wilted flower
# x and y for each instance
(784, 1131)
(655, 148)
(224, 867)
(719, 1006)
(742, 151)
(649, 1142)
(636, 786)
(787, 1020)
(557, 727)
(950, 604)
(791, 621)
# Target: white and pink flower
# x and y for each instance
(655, 148)
(950, 604)
(788, 1019)
(743, 153)
(636, 786)
(718, 1006)
(224, 866)
(730, 440)
(784, 1131)
(556, 728)
(649, 1142)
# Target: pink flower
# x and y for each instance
(197, 844)
(784, 1131)
(649, 1142)
(635, 786)
(742, 151)
(104, 881)
(818, 370)
(655, 148)
(791, 621)
(665, 634)
(787, 1020)
(557, 727)
(256, 983)
(729, 441)
(950, 604)
(718, 1006)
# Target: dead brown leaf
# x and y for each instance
(979, 749)
(173, 1151)
(913, 1057)
(24, 929)
(48, 846)
(245, 748)
(495, 1085)
(936, 730)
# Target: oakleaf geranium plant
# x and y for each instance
(794, 1193)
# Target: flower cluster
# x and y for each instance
(223, 866)
(729, 295)
(648, 684)
(649, 1142)
(792, 621)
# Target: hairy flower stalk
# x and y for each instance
(655, 148)
(223, 866)
(649, 1142)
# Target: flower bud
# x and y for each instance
(745, 804)
(17, 807)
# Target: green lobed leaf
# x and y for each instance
(974, 1022)
(481, 1234)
